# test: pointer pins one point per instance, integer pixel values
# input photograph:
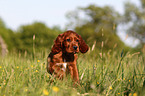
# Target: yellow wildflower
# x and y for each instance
(0, 87)
(55, 89)
(130, 94)
(95, 66)
(38, 60)
(48, 76)
(97, 82)
(118, 93)
(17, 67)
(110, 87)
(0, 67)
(129, 80)
(45, 92)
(26, 90)
(36, 71)
(134, 94)
(32, 66)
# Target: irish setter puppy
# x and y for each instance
(63, 54)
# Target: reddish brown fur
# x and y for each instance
(64, 49)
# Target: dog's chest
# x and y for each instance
(58, 58)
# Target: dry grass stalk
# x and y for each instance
(115, 46)
(93, 45)
(102, 44)
(114, 26)
(137, 53)
(34, 37)
(126, 37)
(83, 74)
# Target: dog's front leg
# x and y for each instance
(71, 71)
(58, 72)
(74, 72)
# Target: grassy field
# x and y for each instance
(112, 74)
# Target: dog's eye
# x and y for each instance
(68, 40)
(77, 40)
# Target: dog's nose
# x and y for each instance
(75, 47)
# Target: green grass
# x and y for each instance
(115, 74)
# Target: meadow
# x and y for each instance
(114, 73)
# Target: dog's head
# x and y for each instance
(69, 42)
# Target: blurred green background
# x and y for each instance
(99, 27)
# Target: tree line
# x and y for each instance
(99, 28)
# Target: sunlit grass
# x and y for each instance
(117, 73)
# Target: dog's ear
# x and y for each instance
(83, 47)
(57, 47)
